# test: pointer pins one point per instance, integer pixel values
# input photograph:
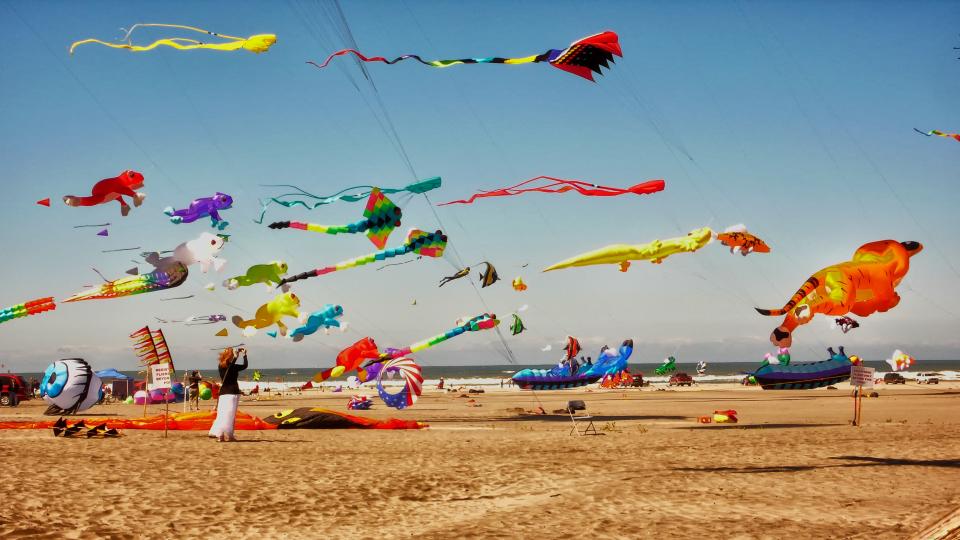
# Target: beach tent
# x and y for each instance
(111, 373)
(121, 385)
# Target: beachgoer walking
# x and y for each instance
(229, 400)
(440, 384)
(194, 389)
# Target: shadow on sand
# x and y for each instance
(858, 461)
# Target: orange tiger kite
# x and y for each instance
(863, 285)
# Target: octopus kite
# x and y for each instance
(932, 132)
(863, 285)
(350, 194)
(559, 185)
(655, 251)
(257, 44)
(200, 208)
(583, 57)
(112, 189)
(419, 242)
(271, 313)
(380, 217)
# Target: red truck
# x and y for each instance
(16, 384)
(680, 379)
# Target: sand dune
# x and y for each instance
(792, 468)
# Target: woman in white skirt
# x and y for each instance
(222, 427)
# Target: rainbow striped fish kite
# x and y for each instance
(419, 242)
(380, 217)
(170, 276)
(932, 132)
(582, 58)
(33, 307)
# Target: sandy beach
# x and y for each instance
(793, 467)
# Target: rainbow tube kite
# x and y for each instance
(172, 276)
(932, 132)
(33, 307)
(259, 43)
(380, 217)
(582, 58)
(419, 242)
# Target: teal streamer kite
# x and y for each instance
(351, 194)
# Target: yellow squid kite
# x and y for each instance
(259, 43)
(655, 251)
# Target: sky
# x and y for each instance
(795, 119)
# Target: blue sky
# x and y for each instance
(795, 119)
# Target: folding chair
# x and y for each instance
(577, 405)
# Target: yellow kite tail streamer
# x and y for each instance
(256, 44)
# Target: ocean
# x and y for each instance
(492, 375)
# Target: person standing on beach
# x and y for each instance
(222, 427)
(194, 388)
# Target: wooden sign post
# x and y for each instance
(161, 381)
(860, 377)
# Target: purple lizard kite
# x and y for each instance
(203, 207)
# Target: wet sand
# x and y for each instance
(792, 468)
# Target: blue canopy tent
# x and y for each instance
(121, 385)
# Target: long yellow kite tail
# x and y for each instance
(188, 44)
(180, 26)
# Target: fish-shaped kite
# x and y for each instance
(516, 327)
(380, 217)
(489, 276)
(582, 58)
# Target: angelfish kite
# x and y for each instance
(419, 242)
(559, 185)
(350, 194)
(257, 44)
(583, 57)
(655, 251)
(380, 217)
(932, 132)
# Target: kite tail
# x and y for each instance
(807, 288)
(360, 55)
(73, 200)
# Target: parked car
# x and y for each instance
(16, 383)
(894, 378)
(928, 378)
(680, 379)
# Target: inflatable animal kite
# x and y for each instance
(932, 132)
(583, 57)
(269, 274)
(655, 251)
(517, 327)
(863, 286)
(33, 307)
(282, 305)
(419, 242)
(559, 185)
(900, 360)
(380, 217)
(259, 43)
(518, 284)
(668, 366)
(739, 240)
(203, 207)
(70, 386)
(350, 194)
(112, 189)
(846, 324)
(609, 362)
(325, 318)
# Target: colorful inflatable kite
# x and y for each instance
(203, 207)
(655, 251)
(271, 313)
(863, 285)
(380, 217)
(518, 284)
(462, 273)
(583, 57)
(350, 194)
(668, 366)
(932, 132)
(517, 327)
(559, 185)
(739, 240)
(563, 375)
(845, 324)
(259, 43)
(419, 242)
(900, 360)
(70, 386)
(269, 274)
(33, 307)
(806, 375)
(412, 377)
(489, 276)
(112, 189)
(324, 318)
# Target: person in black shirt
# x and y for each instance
(194, 388)
(222, 427)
